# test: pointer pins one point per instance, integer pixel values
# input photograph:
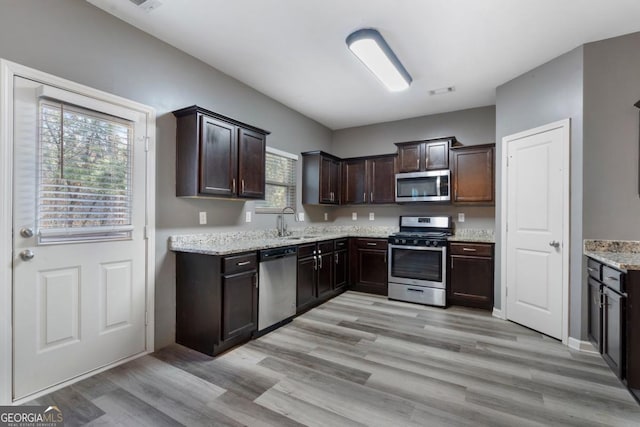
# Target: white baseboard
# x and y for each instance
(498, 313)
(583, 346)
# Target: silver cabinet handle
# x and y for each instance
(242, 186)
(364, 196)
(613, 278)
(554, 243)
(592, 269)
(371, 197)
(240, 264)
(371, 244)
(336, 257)
(315, 262)
(26, 232)
(320, 258)
(233, 185)
(418, 163)
(469, 249)
(27, 255)
(255, 280)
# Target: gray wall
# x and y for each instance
(548, 93)
(74, 40)
(611, 87)
(471, 127)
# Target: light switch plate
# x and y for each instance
(372, 216)
(203, 218)
(326, 216)
(354, 216)
(300, 216)
(460, 217)
(247, 216)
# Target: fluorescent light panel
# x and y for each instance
(374, 52)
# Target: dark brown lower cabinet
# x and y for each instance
(340, 269)
(594, 304)
(216, 300)
(368, 261)
(613, 333)
(315, 274)
(470, 281)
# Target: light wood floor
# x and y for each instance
(362, 360)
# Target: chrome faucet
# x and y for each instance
(280, 222)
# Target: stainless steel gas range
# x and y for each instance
(417, 257)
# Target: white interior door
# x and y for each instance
(537, 174)
(78, 226)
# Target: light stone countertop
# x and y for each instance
(620, 254)
(226, 243)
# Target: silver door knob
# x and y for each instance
(27, 254)
(26, 232)
(554, 243)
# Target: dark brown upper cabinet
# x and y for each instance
(472, 174)
(321, 181)
(430, 154)
(369, 180)
(217, 156)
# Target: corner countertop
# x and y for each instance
(620, 254)
(226, 243)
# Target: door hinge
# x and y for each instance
(146, 232)
(146, 318)
(147, 143)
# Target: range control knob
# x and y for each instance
(434, 243)
(415, 242)
(403, 241)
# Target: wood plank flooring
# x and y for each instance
(362, 360)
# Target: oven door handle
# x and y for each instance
(420, 248)
(416, 290)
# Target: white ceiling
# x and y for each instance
(294, 50)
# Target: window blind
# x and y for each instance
(84, 182)
(280, 182)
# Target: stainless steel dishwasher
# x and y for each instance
(277, 286)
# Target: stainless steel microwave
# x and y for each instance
(428, 186)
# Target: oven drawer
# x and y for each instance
(372, 243)
(472, 249)
(417, 294)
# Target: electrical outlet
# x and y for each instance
(247, 216)
(300, 216)
(326, 216)
(203, 218)
(354, 216)
(372, 216)
(460, 217)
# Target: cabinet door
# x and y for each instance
(409, 157)
(372, 270)
(613, 330)
(471, 282)
(354, 183)
(335, 184)
(340, 269)
(436, 155)
(473, 179)
(382, 180)
(595, 313)
(251, 164)
(306, 284)
(327, 193)
(325, 274)
(218, 157)
(239, 296)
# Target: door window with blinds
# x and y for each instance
(280, 181)
(84, 177)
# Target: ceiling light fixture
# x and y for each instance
(374, 52)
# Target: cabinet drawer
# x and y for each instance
(306, 250)
(473, 249)
(238, 263)
(341, 244)
(325, 247)
(594, 268)
(372, 243)
(613, 279)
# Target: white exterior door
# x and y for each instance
(79, 252)
(537, 177)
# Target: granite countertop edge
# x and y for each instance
(248, 245)
(620, 254)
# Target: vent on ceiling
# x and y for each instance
(147, 5)
(442, 90)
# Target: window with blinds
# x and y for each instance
(84, 181)
(280, 181)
